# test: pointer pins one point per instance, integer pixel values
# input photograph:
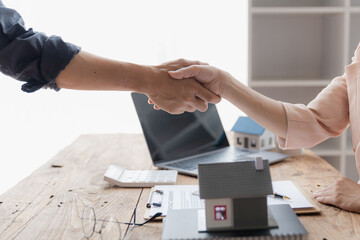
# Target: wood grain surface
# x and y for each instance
(49, 203)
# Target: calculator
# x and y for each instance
(139, 178)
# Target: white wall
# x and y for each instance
(34, 127)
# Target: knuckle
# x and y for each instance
(202, 106)
(176, 109)
(181, 60)
(205, 107)
(214, 98)
(201, 109)
(171, 110)
(180, 111)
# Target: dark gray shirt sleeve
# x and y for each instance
(30, 56)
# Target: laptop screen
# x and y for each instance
(171, 137)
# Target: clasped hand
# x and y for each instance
(184, 85)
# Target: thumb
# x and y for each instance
(187, 72)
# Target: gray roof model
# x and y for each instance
(234, 180)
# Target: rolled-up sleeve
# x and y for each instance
(30, 56)
(325, 116)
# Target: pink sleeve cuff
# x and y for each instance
(303, 130)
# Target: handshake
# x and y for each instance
(185, 86)
(176, 87)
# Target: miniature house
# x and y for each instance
(250, 135)
(235, 194)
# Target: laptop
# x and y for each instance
(181, 142)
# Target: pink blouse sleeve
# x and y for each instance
(325, 116)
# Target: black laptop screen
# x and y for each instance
(172, 137)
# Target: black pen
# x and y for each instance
(277, 195)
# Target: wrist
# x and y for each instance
(141, 79)
(228, 86)
(148, 79)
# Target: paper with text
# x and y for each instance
(288, 188)
(176, 197)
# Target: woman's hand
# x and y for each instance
(344, 194)
(210, 77)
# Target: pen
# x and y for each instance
(277, 195)
(195, 193)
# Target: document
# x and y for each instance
(165, 197)
(288, 189)
(297, 199)
(174, 197)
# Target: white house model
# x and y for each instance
(235, 194)
(248, 134)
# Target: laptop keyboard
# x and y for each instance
(192, 164)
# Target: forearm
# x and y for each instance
(266, 111)
(90, 72)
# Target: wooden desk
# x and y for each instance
(42, 206)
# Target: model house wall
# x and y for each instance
(250, 213)
(250, 135)
(255, 142)
(219, 213)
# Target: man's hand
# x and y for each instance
(176, 96)
(344, 194)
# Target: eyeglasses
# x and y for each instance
(110, 227)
